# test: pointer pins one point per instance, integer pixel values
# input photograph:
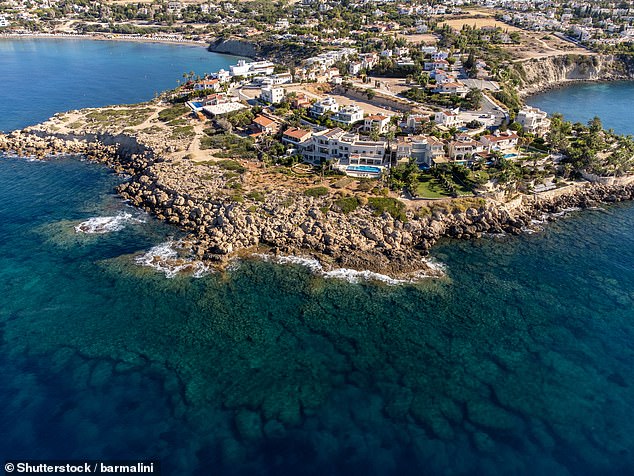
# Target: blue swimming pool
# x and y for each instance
(510, 156)
(364, 168)
(197, 105)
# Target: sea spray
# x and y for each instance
(99, 225)
(435, 270)
(172, 259)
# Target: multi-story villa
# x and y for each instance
(377, 122)
(248, 69)
(422, 149)
(344, 148)
(323, 106)
(460, 150)
(499, 141)
(272, 95)
(533, 120)
(349, 114)
(448, 119)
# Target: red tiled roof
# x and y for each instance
(296, 133)
(377, 117)
(263, 121)
(493, 138)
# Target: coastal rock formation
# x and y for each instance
(290, 223)
(553, 71)
(277, 52)
(234, 46)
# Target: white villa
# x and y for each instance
(323, 106)
(500, 141)
(533, 120)
(344, 148)
(448, 118)
(349, 114)
(248, 69)
(272, 95)
(377, 121)
(422, 149)
(462, 150)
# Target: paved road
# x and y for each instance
(491, 108)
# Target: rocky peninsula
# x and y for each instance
(276, 213)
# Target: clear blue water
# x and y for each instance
(42, 77)
(364, 168)
(519, 362)
(612, 102)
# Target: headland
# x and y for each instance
(234, 208)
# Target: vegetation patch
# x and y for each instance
(347, 204)
(256, 195)
(230, 145)
(173, 113)
(428, 186)
(183, 132)
(316, 192)
(231, 165)
(394, 207)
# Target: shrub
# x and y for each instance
(256, 195)
(231, 165)
(316, 192)
(394, 207)
(171, 113)
(347, 204)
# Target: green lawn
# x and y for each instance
(429, 187)
(462, 190)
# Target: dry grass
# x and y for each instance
(478, 22)
(427, 38)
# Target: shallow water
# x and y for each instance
(519, 362)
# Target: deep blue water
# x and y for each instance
(519, 362)
(612, 102)
(42, 77)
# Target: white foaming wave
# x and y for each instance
(164, 258)
(565, 211)
(352, 275)
(99, 225)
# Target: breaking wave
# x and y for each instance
(435, 270)
(171, 259)
(99, 225)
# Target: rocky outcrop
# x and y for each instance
(279, 52)
(288, 222)
(234, 46)
(543, 73)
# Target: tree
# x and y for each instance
(474, 98)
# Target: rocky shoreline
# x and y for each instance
(219, 229)
(543, 74)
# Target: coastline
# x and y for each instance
(102, 37)
(220, 230)
(190, 195)
(543, 74)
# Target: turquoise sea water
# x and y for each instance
(519, 362)
(611, 101)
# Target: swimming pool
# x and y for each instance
(510, 156)
(363, 168)
(197, 105)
